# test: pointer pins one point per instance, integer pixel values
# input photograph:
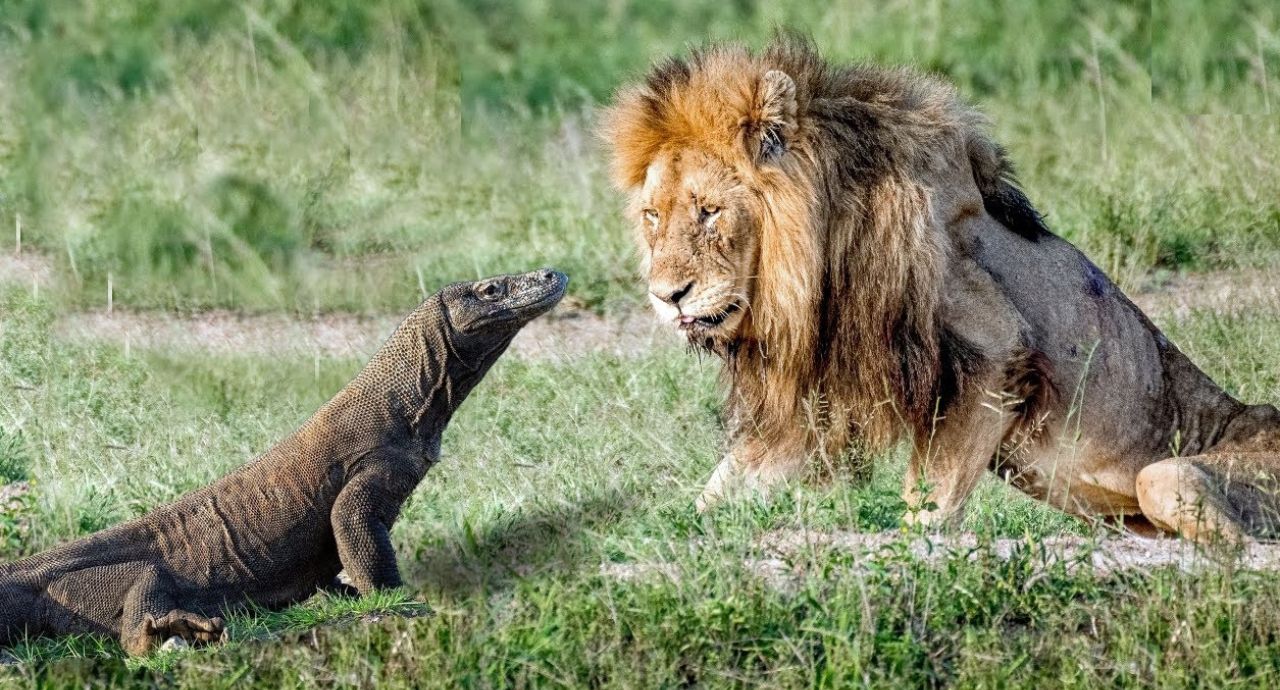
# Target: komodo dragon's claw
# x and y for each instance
(189, 629)
(174, 643)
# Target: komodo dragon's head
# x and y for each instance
(483, 316)
(445, 347)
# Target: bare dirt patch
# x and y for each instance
(10, 493)
(1103, 555)
(14, 508)
(11, 496)
(223, 332)
(566, 333)
(27, 268)
(1226, 292)
(783, 555)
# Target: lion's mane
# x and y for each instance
(843, 337)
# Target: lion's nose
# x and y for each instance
(671, 295)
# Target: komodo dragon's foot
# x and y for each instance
(191, 628)
(341, 586)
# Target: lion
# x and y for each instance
(854, 246)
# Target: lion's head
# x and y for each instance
(701, 238)
(786, 222)
(702, 151)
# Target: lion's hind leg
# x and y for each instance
(1231, 497)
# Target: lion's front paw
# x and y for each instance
(723, 481)
(935, 518)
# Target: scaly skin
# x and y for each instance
(281, 527)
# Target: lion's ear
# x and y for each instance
(766, 131)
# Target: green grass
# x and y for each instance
(339, 155)
(250, 627)
(1200, 50)
(553, 470)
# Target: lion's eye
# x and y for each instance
(651, 217)
(708, 214)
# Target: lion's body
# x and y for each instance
(1125, 397)
(851, 242)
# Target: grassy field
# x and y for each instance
(337, 156)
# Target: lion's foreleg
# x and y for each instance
(749, 467)
(722, 482)
(947, 464)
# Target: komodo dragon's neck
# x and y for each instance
(416, 380)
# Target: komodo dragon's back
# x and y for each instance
(282, 526)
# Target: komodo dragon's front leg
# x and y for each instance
(363, 514)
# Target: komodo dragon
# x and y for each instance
(282, 526)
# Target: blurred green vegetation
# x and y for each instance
(1203, 50)
(226, 153)
(13, 457)
(311, 156)
(95, 46)
(548, 54)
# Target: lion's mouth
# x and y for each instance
(689, 322)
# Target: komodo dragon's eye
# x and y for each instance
(491, 291)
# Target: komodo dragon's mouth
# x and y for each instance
(541, 296)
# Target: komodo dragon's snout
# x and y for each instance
(320, 501)
(480, 310)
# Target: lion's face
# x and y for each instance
(722, 206)
(701, 244)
